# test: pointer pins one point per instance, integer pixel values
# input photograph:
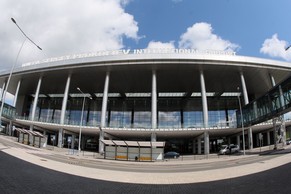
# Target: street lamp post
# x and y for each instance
(242, 123)
(81, 122)
(4, 90)
(287, 47)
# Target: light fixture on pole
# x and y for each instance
(287, 47)
(4, 90)
(242, 123)
(81, 122)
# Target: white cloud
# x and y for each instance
(276, 48)
(177, 1)
(200, 36)
(63, 27)
(161, 45)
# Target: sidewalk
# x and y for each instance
(230, 170)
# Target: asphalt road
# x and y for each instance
(18, 176)
(157, 167)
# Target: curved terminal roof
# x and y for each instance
(148, 56)
(135, 66)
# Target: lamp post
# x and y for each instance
(287, 47)
(242, 123)
(4, 90)
(81, 122)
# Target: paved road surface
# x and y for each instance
(18, 176)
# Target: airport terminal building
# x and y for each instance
(184, 97)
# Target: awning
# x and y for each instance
(134, 143)
(34, 133)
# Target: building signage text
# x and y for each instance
(129, 51)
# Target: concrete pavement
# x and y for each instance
(38, 156)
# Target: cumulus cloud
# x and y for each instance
(63, 27)
(161, 45)
(276, 48)
(200, 36)
(177, 1)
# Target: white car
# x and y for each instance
(229, 149)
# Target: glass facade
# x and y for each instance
(276, 102)
(135, 112)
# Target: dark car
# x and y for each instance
(171, 155)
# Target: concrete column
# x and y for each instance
(2, 91)
(104, 100)
(275, 134)
(244, 89)
(194, 146)
(282, 101)
(255, 107)
(73, 141)
(45, 139)
(204, 100)
(16, 93)
(154, 100)
(153, 137)
(268, 138)
(206, 142)
(238, 140)
(63, 111)
(250, 138)
(30, 137)
(60, 138)
(272, 80)
(103, 112)
(283, 131)
(258, 139)
(101, 144)
(10, 128)
(36, 99)
(199, 145)
(65, 100)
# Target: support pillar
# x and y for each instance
(258, 139)
(16, 93)
(199, 145)
(103, 112)
(154, 105)
(60, 138)
(73, 141)
(45, 139)
(238, 140)
(206, 143)
(65, 100)
(104, 100)
(194, 146)
(63, 111)
(2, 91)
(154, 100)
(36, 99)
(250, 138)
(153, 137)
(272, 80)
(204, 100)
(268, 138)
(244, 89)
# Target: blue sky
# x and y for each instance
(247, 23)
(256, 28)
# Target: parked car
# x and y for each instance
(288, 142)
(229, 149)
(171, 155)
